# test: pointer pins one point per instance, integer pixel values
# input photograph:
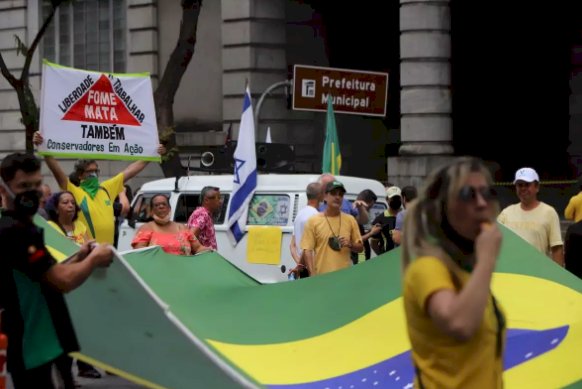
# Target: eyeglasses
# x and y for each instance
(469, 193)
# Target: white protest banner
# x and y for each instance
(87, 114)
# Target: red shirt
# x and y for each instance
(201, 218)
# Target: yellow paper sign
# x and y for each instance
(264, 245)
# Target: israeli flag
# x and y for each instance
(245, 172)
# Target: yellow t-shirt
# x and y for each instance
(316, 234)
(97, 213)
(539, 226)
(574, 209)
(78, 233)
(442, 361)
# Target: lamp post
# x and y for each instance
(286, 84)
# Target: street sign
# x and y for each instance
(355, 92)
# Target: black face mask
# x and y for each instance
(27, 203)
(395, 203)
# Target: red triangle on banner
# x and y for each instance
(100, 104)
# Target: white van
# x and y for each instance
(276, 201)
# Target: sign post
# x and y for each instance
(354, 92)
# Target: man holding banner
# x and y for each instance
(95, 199)
(92, 115)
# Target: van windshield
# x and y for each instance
(140, 211)
(188, 202)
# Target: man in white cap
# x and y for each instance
(535, 221)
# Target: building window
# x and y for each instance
(87, 34)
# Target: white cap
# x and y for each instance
(393, 191)
(526, 174)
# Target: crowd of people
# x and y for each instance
(88, 212)
(332, 233)
(448, 231)
(450, 242)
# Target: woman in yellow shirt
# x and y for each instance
(63, 212)
(450, 247)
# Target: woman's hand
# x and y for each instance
(203, 249)
(488, 244)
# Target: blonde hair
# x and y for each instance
(423, 233)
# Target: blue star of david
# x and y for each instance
(238, 163)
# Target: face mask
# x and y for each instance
(395, 204)
(26, 203)
(162, 220)
(90, 184)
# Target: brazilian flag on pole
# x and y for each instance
(332, 157)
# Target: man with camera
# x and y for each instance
(330, 236)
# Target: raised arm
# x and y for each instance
(363, 215)
(133, 170)
(460, 314)
(136, 167)
(52, 163)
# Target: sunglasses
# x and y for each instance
(469, 193)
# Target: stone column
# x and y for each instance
(575, 125)
(425, 104)
(13, 19)
(142, 45)
(253, 49)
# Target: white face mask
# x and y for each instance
(162, 220)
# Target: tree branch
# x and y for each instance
(36, 41)
(6, 73)
(170, 81)
(181, 56)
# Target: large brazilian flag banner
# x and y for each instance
(181, 322)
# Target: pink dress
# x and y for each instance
(179, 243)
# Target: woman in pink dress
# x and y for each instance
(172, 237)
